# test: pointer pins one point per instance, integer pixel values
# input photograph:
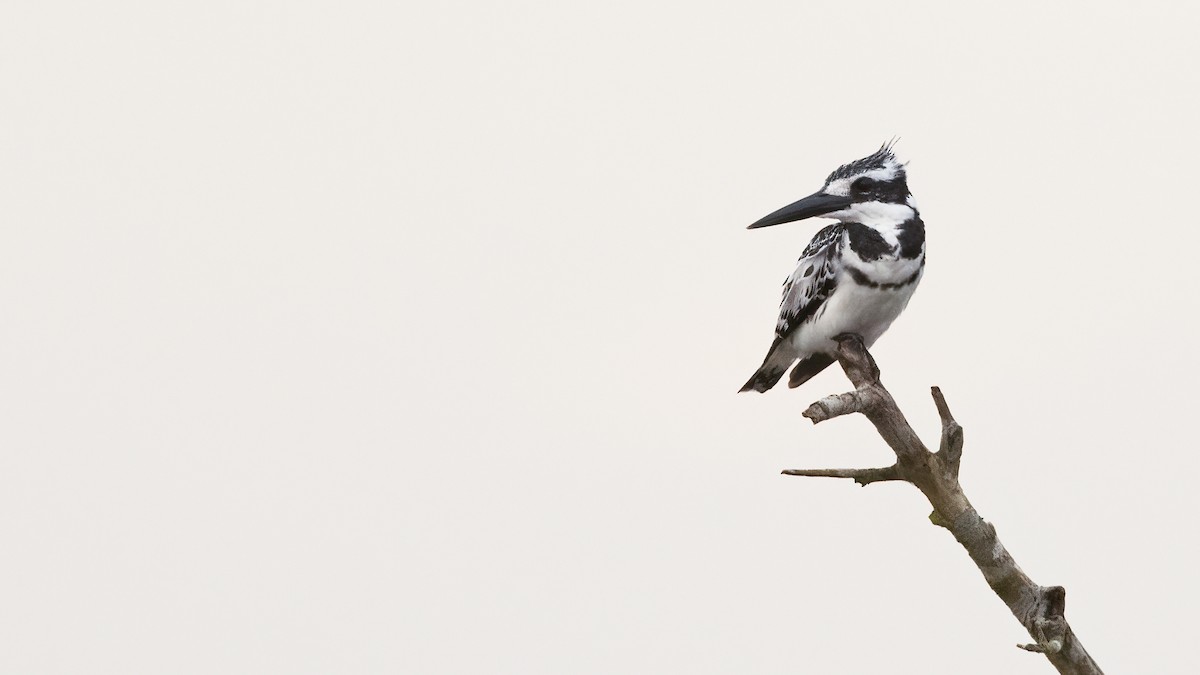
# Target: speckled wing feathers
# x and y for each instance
(812, 281)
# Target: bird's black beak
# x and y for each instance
(813, 205)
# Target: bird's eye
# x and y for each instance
(862, 185)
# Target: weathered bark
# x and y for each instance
(1039, 608)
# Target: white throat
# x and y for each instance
(883, 217)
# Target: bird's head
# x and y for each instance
(862, 186)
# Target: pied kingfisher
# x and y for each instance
(855, 276)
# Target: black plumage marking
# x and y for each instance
(911, 237)
(863, 280)
(867, 242)
(870, 245)
(893, 191)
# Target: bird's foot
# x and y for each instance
(852, 346)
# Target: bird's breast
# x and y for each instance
(863, 308)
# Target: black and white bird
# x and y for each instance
(855, 276)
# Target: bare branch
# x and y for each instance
(837, 405)
(952, 434)
(858, 363)
(1050, 626)
(863, 477)
(1040, 609)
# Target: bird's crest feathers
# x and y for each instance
(883, 161)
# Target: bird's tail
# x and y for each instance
(779, 358)
(807, 368)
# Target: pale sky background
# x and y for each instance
(404, 338)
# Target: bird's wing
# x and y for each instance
(812, 281)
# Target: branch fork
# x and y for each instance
(1040, 609)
